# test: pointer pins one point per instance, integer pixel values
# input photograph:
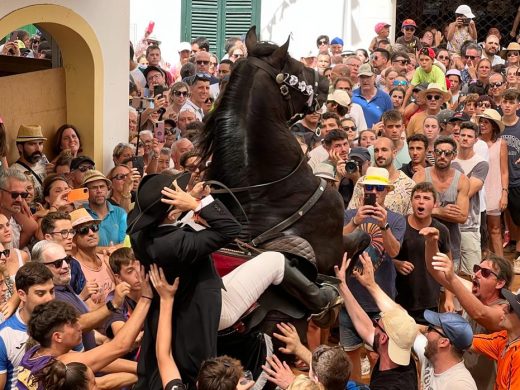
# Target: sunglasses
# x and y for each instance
(237, 55)
(433, 97)
(323, 42)
(85, 168)
(15, 195)
(350, 128)
(120, 176)
(399, 82)
(66, 233)
(433, 329)
(375, 322)
(409, 28)
(5, 253)
(485, 272)
(512, 53)
(84, 229)
(496, 85)
(443, 57)
(180, 93)
(403, 62)
(202, 76)
(484, 104)
(447, 153)
(58, 263)
(470, 57)
(201, 62)
(378, 187)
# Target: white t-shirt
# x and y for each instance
(455, 378)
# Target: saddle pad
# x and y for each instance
(226, 262)
(292, 244)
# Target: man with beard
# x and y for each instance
(491, 48)
(392, 129)
(307, 127)
(391, 334)
(29, 143)
(440, 352)
(398, 199)
(453, 189)
(416, 289)
(483, 304)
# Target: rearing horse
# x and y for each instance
(252, 150)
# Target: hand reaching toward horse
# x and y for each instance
(341, 272)
(165, 290)
(293, 344)
(366, 275)
(279, 373)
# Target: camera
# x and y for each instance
(351, 166)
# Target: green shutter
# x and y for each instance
(218, 20)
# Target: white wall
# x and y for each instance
(109, 20)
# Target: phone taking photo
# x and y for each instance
(369, 199)
(158, 131)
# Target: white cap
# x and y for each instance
(464, 10)
(184, 46)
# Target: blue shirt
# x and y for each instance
(13, 336)
(112, 227)
(374, 108)
(384, 270)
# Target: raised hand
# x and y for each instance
(165, 290)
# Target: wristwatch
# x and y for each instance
(386, 227)
(111, 307)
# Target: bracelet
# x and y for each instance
(144, 296)
(354, 222)
(506, 190)
(128, 196)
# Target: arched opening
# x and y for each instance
(80, 78)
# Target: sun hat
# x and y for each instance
(81, 216)
(30, 133)
(325, 171)
(94, 175)
(148, 206)
(401, 330)
(183, 46)
(513, 46)
(379, 26)
(377, 176)
(434, 87)
(494, 116)
(514, 300)
(339, 96)
(455, 327)
(409, 22)
(464, 10)
(365, 70)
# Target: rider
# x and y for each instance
(182, 248)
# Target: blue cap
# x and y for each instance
(337, 41)
(454, 326)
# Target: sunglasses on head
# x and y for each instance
(5, 253)
(447, 153)
(399, 82)
(378, 187)
(202, 76)
(15, 195)
(83, 230)
(180, 93)
(485, 272)
(59, 263)
(433, 97)
(202, 62)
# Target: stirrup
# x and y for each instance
(327, 317)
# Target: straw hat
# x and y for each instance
(494, 116)
(81, 216)
(513, 46)
(377, 176)
(433, 87)
(94, 175)
(30, 133)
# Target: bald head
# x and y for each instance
(340, 70)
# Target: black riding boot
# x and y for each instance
(319, 300)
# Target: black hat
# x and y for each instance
(460, 116)
(148, 206)
(149, 68)
(514, 300)
(76, 162)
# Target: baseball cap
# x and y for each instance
(514, 300)
(453, 72)
(76, 162)
(454, 326)
(337, 41)
(365, 70)
(444, 116)
(460, 116)
(409, 22)
(379, 26)
(420, 87)
(401, 330)
(184, 46)
(339, 96)
(464, 10)
(359, 152)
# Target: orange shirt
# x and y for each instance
(495, 346)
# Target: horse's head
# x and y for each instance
(303, 88)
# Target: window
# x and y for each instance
(218, 20)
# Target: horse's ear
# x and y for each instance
(251, 39)
(279, 56)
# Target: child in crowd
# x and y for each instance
(383, 31)
(408, 39)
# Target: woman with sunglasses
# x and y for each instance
(350, 127)
(511, 54)
(10, 258)
(484, 102)
(179, 93)
(123, 183)
(443, 56)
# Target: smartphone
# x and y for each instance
(77, 195)
(138, 163)
(369, 199)
(465, 21)
(158, 131)
(158, 90)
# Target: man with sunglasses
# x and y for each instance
(399, 61)
(387, 231)
(34, 287)
(497, 85)
(471, 55)
(78, 167)
(409, 39)
(453, 189)
(435, 95)
(57, 261)
(13, 195)
(380, 60)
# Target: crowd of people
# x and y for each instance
(106, 277)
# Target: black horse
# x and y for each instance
(252, 151)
